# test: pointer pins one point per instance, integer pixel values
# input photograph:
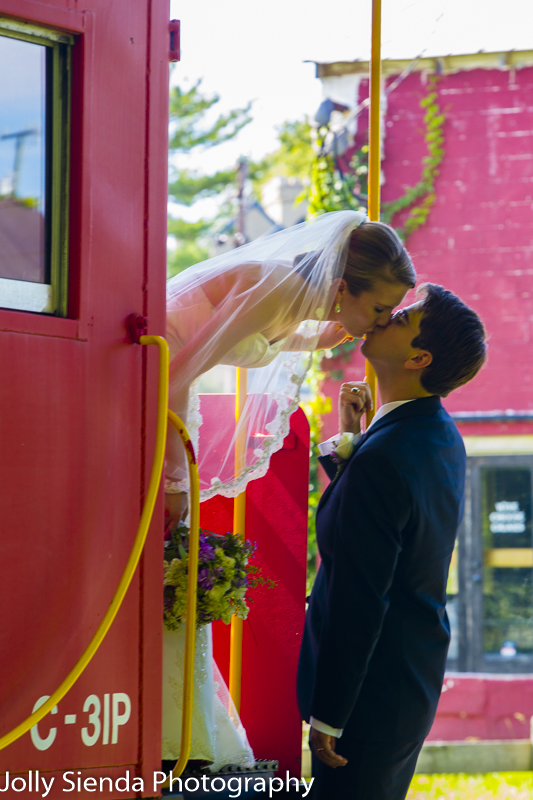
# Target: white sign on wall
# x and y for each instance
(507, 518)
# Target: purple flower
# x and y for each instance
(218, 572)
(206, 551)
(205, 579)
(240, 582)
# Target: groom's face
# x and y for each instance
(392, 343)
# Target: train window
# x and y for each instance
(34, 158)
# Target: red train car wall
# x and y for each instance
(77, 421)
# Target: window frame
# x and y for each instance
(49, 298)
(472, 657)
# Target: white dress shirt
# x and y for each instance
(343, 444)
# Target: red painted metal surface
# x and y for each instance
(484, 707)
(276, 518)
(77, 422)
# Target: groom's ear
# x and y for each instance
(420, 360)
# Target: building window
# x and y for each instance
(507, 574)
(34, 160)
(490, 592)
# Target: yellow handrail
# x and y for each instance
(192, 594)
(374, 158)
(239, 528)
(374, 139)
(133, 560)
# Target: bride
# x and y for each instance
(265, 306)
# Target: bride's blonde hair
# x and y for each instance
(375, 251)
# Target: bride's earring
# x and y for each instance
(338, 308)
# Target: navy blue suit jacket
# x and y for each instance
(376, 633)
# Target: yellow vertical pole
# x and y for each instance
(374, 158)
(239, 513)
(192, 597)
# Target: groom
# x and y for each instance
(376, 635)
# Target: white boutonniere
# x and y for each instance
(344, 446)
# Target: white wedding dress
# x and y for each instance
(218, 736)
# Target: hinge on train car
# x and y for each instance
(137, 327)
(175, 41)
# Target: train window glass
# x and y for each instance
(34, 154)
(506, 528)
(22, 161)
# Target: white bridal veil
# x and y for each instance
(281, 287)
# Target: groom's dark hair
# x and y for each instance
(454, 335)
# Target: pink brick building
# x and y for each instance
(478, 242)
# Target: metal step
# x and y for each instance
(232, 781)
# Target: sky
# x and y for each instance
(22, 108)
(248, 50)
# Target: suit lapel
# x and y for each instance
(422, 406)
(340, 470)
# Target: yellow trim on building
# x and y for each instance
(509, 557)
(499, 445)
(510, 59)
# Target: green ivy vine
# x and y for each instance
(434, 119)
(333, 190)
(314, 409)
(330, 188)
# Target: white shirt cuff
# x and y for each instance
(327, 729)
(326, 448)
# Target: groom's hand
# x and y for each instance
(324, 747)
(354, 399)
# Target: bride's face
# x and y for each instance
(360, 314)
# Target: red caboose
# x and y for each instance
(83, 196)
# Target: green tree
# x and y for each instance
(294, 158)
(190, 130)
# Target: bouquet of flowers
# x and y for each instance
(223, 576)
